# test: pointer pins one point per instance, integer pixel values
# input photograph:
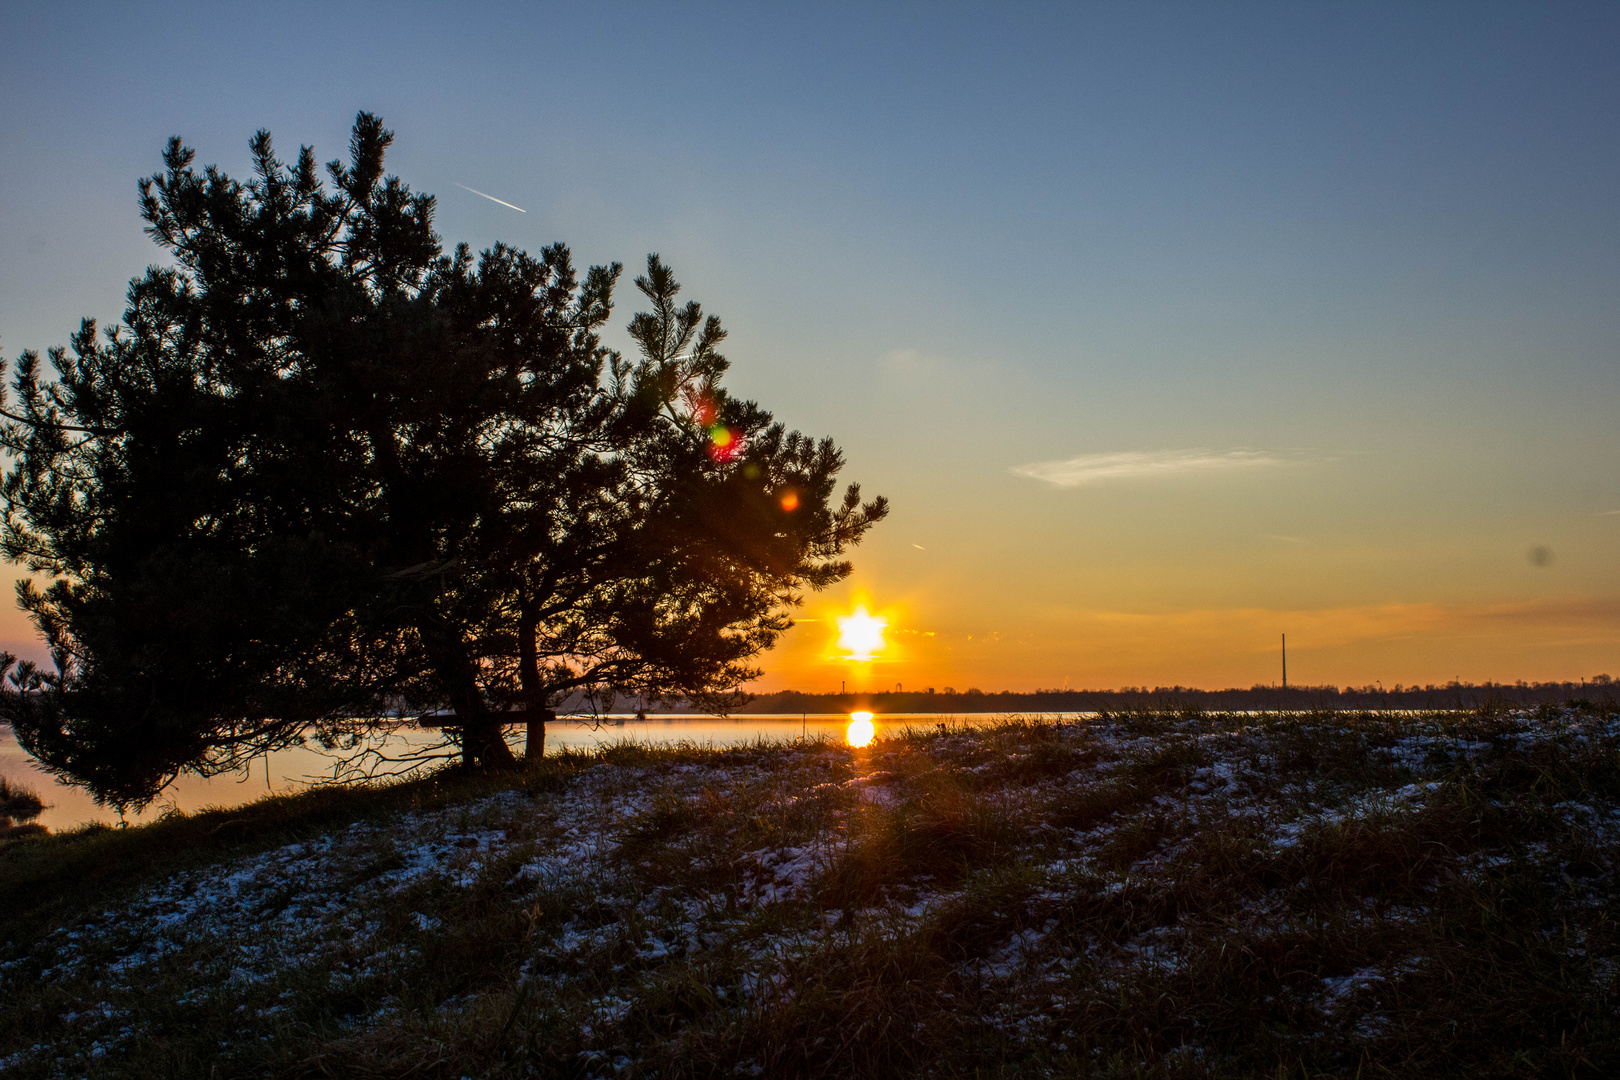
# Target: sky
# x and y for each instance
(1167, 329)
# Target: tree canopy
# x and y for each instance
(322, 468)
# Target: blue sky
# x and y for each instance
(1373, 248)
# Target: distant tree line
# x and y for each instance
(1600, 690)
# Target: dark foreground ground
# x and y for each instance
(1142, 895)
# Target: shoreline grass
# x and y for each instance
(1141, 894)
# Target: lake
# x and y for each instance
(297, 768)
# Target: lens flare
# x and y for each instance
(790, 501)
(724, 443)
(861, 634)
(861, 730)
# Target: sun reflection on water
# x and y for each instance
(861, 730)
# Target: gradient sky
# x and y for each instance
(1166, 328)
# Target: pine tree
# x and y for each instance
(323, 467)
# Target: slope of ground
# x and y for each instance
(1141, 895)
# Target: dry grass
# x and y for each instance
(1145, 895)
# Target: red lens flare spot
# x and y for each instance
(790, 501)
(724, 443)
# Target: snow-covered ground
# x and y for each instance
(1037, 883)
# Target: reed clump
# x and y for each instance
(18, 808)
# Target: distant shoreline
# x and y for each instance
(1454, 695)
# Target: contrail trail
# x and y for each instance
(492, 198)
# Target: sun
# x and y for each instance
(861, 634)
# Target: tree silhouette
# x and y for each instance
(322, 468)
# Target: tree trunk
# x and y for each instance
(481, 741)
(536, 744)
(534, 694)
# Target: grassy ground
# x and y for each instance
(1145, 895)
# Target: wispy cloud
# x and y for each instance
(1137, 464)
(492, 198)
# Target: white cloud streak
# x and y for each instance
(1143, 464)
(492, 198)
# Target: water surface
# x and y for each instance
(297, 768)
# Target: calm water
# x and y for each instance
(298, 767)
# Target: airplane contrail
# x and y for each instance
(492, 198)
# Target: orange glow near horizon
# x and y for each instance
(1024, 646)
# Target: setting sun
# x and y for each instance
(860, 634)
(861, 730)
